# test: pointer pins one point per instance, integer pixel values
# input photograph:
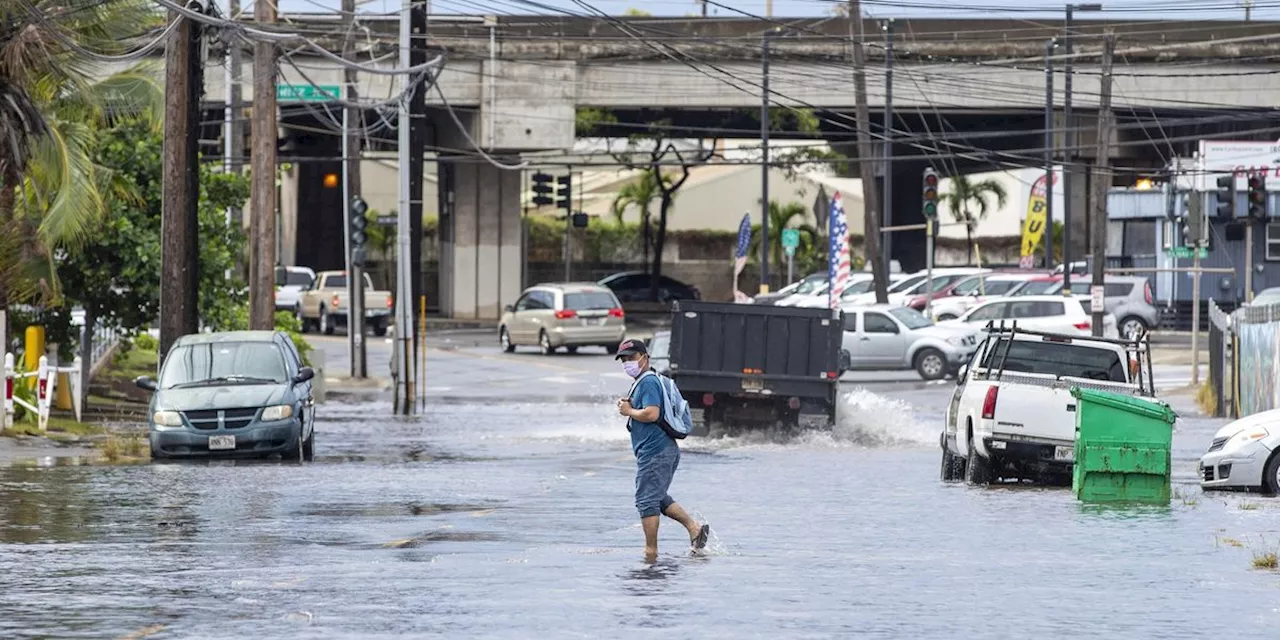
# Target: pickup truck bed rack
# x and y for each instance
(1137, 349)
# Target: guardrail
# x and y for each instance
(46, 380)
(104, 338)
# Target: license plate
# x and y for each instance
(593, 322)
(752, 385)
(222, 443)
(1064, 454)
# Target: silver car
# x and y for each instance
(1129, 298)
(891, 337)
(1240, 457)
(564, 315)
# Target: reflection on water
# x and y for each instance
(483, 522)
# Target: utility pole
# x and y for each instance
(764, 164)
(888, 142)
(351, 156)
(866, 164)
(179, 220)
(768, 9)
(1069, 149)
(263, 169)
(233, 129)
(1102, 182)
(417, 143)
(1048, 153)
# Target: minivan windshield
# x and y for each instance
(218, 363)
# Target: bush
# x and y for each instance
(289, 324)
(146, 342)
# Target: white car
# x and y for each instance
(858, 285)
(914, 285)
(1241, 455)
(1052, 314)
(975, 291)
(290, 283)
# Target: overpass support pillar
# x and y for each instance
(480, 239)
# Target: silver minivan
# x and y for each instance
(568, 315)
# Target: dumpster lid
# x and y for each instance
(1150, 408)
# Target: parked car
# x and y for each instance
(1242, 455)
(1050, 313)
(234, 393)
(1129, 298)
(564, 315)
(1012, 414)
(660, 352)
(324, 306)
(290, 283)
(891, 337)
(634, 286)
(1038, 285)
(1266, 297)
(852, 291)
(803, 286)
(914, 285)
(905, 285)
(944, 285)
(975, 290)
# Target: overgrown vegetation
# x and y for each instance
(1207, 399)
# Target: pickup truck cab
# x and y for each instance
(1012, 415)
(324, 305)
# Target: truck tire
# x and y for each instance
(379, 328)
(931, 364)
(326, 325)
(977, 469)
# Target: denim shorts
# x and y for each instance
(653, 479)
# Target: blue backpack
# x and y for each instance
(674, 417)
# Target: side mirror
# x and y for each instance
(846, 361)
(304, 374)
(509, 308)
(145, 382)
(964, 371)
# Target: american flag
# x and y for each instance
(838, 257)
(744, 242)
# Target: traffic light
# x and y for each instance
(541, 189)
(564, 193)
(580, 220)
(930, 194)
(1193, 224)
(357, 235)
(1258, 197)
(1226, 197)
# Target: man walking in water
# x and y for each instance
(657, 454)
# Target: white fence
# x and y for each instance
(46, 379)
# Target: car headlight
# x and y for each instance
(956, 340)
(278, 412)
(1245, 437)
(167, 418)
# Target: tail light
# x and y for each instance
(989, 403)
(1146, 293)
(617, 313)
(390, 302)
(334, 302)
(708, 399)
(1084, 326)
(794, 403)
(565, 314)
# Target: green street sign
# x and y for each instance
(1186, 252)
(790, 238)
(307, 92)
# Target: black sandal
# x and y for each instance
(700, 540)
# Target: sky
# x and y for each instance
(1021, 9)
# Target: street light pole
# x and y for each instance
(764, 165)
(1048, 152)
(887, 249)
(1069, 140)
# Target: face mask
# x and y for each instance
(632, 369)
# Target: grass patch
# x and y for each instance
(1207, 399)
(1231, 542)
(70, 427)
(1187, 500)
(1249, 506)
(1265, 560)
(133, 363)
(120, 448)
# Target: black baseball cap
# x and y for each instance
(631, 347)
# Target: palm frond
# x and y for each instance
(64, 177)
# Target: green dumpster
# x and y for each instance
(1122, 448)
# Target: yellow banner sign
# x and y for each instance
(1033, 226)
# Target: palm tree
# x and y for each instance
(641, 193)
(781, 216)
(968, 203)
(51, 192)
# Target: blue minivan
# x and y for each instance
(234, 394)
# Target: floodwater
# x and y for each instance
(513, 520)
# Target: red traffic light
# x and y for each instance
(931, 179)
(1256, 182)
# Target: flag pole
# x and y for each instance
(831, 251)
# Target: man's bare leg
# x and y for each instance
(677, 513)
(650, 525)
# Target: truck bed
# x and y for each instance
(761, 349)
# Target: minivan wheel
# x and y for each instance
(544, 341)
(931, 364)
(1132, 326)
(505, 340)
(309, 447)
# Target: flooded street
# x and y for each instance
(506, 510)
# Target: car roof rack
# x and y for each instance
(1136, 346)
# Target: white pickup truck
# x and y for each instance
(1013, 416)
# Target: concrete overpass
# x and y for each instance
(516, 82)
